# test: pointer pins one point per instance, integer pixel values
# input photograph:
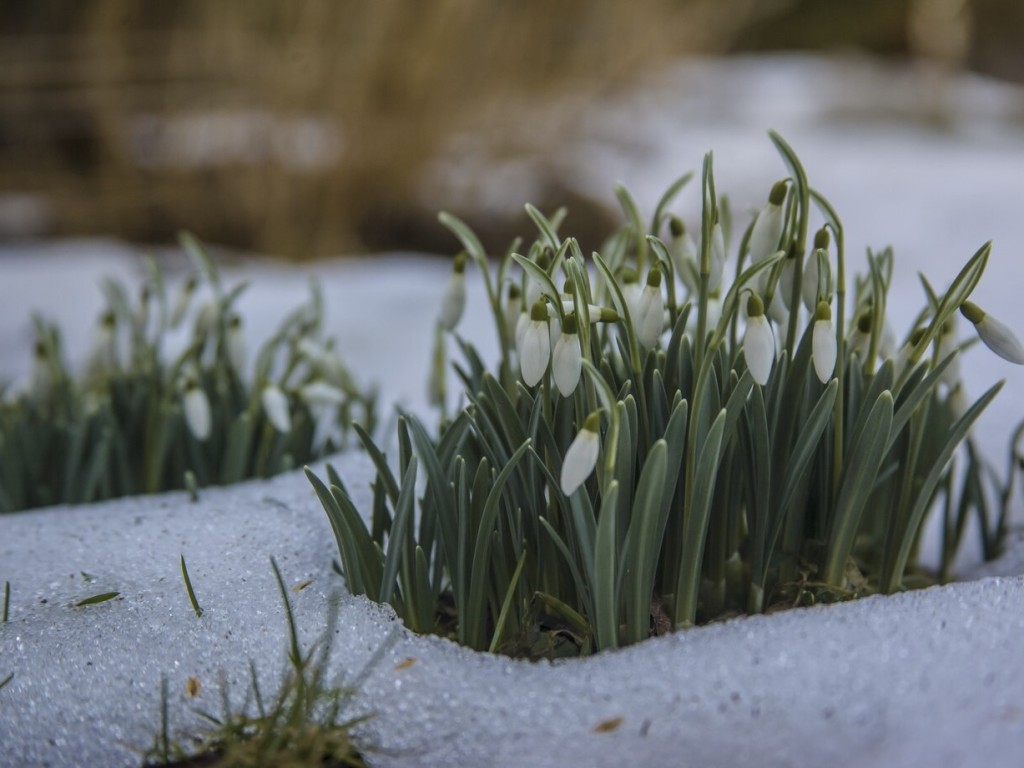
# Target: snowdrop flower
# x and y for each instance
(41, 379)
(235, 343)
(809, 283)
(859, 342)
(513, 308)
(183, 300)
(595, 312)
(275, 405)
(650, 311)
(554, 327)
(567, 358)
(521, 325)
(631, 292)
(683, 252)
(758, 341)
(996, 336)
(325, 361)
(777, 310)
(319, 395)
(767, 230)
(823, 343)
(197, 409)
(534, 290)
(535, 348)
(453, 301)
(581, 457)
(103, 354)
(206, 319)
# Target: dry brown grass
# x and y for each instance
(394, 80)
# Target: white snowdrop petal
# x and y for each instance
(567, 363)
(579, 461)
(823, 349)
(764, 238)
(534, 352)
(1000, 339)
(650, 316)
(759, 348)
(809, 283)
(453, 301)
(522, 323)
(275, 405)
(777, 310)
(318, 394)
(631, 295)
(197, 412)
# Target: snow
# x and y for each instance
(930, 677)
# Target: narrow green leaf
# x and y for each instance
(893, 570)
(396, 542)
(100, 598)
(188, 588)
(859, 476)
(645, 530)
(604, 577)
(546, 228)
(474, 614)
(506, 605)
(695, 524)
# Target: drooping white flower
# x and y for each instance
(513, 309)
(581, 457)
(275, 406)
(683, 253)
(650, 311)
(809, 283)
(183, 300)
(102, 358)
(823, 343)
(758, 341)
(567, 358)
(996, 336)
(535, 348)
(777, 310)
(41, 379)
(534, 289)
(767, 230)
(631, 293)
(522, 323)
(453, 300)
(554, 327)
(318, 394)
(859, 340)
(196, 405)
(595, 312)
(235, 343)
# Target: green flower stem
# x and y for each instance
(709, 214)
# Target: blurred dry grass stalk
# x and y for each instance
(329, 111)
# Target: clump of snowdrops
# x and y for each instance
(143, 418)
(678, 429)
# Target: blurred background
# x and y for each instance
(311, 128)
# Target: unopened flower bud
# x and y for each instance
(996, 336)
